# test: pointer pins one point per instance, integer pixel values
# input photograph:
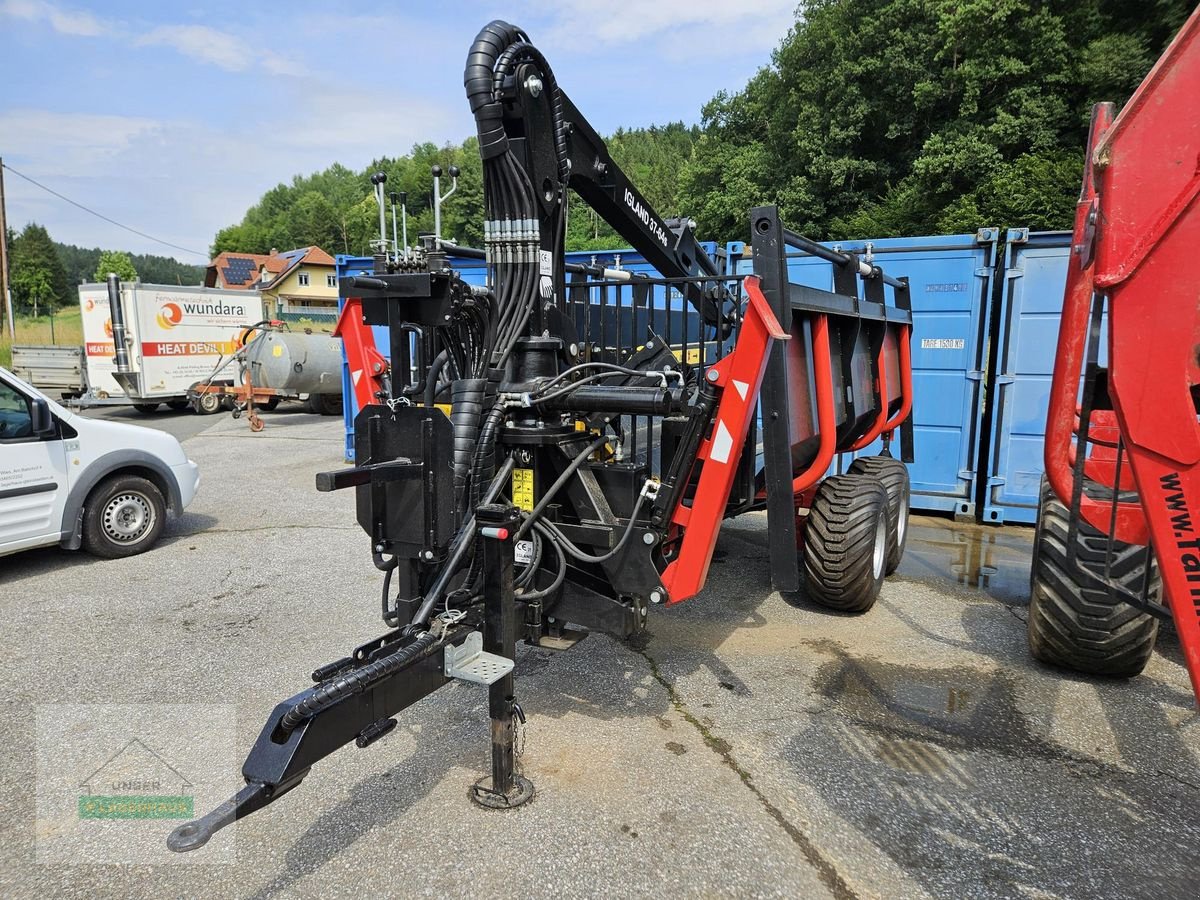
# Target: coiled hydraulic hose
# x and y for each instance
(358, 680)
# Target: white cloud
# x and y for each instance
(64, 21)
(218, 48)
(180, 180)
(680, 29)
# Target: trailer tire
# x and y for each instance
(324, 404)
(269, 404)
(1073, 622)
(178, 405)
(123, 515)
(846, 539)
(207, 404)
(146, 409)
(893, 475)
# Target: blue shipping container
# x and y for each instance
(1035, 276)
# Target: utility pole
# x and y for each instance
(12, 332)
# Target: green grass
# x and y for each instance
(67, 331)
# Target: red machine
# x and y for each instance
(1117, 525)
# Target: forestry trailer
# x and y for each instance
(560, 448)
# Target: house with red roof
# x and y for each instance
(294, 285)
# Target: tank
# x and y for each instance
(296, 362)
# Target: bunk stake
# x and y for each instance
(505, 789)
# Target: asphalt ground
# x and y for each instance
(750, 744)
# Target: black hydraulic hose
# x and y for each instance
(431, 377)
(358, 680)
(466, 410)
(459, 547)
(477, 79)
(604, 557)
(571, 469)
(505, 62)
(388, 568)
(559, 577)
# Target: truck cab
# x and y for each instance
(73, 481)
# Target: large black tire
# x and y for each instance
(845, 542)
(146, 409)
(269, 404)
(178, 405)
(1074, 621)
(123, 516)
(893, 475)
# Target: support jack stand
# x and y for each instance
(505, 789)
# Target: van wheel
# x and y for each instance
(123, 516)
(893, 474)
(846, 541)
(146, 408)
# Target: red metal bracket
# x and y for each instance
(883, 424)
(738, 377)
(904, 340)
(826, 424)
(367, 365)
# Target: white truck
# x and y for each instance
(73, 481)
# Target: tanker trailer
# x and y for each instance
(277, 364)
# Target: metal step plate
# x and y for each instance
(469, 662)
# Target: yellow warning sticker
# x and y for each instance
(277, 350)
(693, 355)
(522, 489)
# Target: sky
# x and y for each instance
(174, 118)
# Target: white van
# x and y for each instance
(73, 481)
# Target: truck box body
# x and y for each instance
(177, 336)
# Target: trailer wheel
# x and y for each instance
(324, 404)
(178, 405)
(846, 542)
(207, 404)
(123, 516)
(893, 474)
(269, 404)
(146, 409)
(1074, 621)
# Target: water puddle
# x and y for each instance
(994, 561)
(962, 709)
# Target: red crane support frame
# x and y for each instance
(1137, 230)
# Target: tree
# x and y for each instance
(911, 116)
(118, 262)
(36, 273)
